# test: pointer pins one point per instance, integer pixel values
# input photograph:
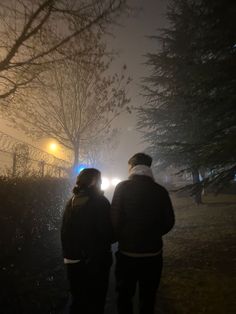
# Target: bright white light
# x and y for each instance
(105, 184)
(53, 146)
(115, 181)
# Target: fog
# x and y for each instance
(130, 41)
(82, 85)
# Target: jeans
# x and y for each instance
(146, 271)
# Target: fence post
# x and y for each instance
(14, 164)
(42, 168)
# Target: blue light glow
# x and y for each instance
(79, 168)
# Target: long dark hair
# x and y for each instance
(85, 178)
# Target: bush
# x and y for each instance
(31, 264)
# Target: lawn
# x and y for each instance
(199, 258)
(199, 253)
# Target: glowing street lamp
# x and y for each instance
(53, 147)
(115, 181)
(109, 183)
(105, 184)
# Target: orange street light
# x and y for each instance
(53, 147)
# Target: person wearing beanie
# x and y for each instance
(141, 213)
(86, 236)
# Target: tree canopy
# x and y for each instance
(32, 32)
(189, 116)
(78, 100)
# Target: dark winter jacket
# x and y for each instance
(141, 214)
(86, 231)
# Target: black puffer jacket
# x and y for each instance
(86, 230)
(141, 214)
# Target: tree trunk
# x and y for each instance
(198, 191)
(76, 161)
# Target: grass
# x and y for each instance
(200, 257)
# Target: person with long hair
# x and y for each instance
(86, 236)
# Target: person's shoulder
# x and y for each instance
(99, 204)
(122, 185)
(161, 188)
(101, 199)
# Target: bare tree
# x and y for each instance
(100, 150)
(79, 101)
(33, 31)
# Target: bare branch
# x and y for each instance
(29, 37)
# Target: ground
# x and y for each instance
(199, 258)
(199, 254)
(199, 274)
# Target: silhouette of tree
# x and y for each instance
(77, 103)
(189, 116)
(34, 33)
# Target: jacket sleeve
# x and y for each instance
(167, 213)
(116, 209)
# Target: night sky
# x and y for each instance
(132, 43)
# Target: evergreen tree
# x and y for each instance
(189, 116)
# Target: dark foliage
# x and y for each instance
(189, 117)
(31, 265)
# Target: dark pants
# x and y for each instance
(88, 286)
(146, 271)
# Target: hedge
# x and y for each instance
(31, 266)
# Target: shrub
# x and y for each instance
(31, 264)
